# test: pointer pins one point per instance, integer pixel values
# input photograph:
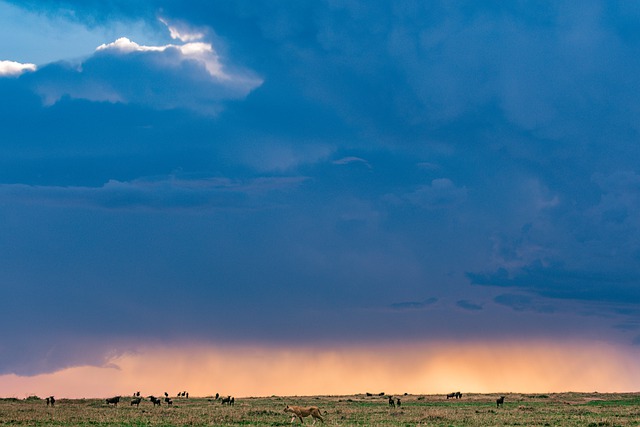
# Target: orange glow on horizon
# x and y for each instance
(242, 371)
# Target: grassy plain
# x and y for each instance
(562, 409)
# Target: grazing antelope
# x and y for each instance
(154, 400)
(499, 401)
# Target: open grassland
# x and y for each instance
(563, 409)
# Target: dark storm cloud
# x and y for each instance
(522, 303)
(158, 193)
(26, 357)
(364, 160)
(440, 193)
(413, 305)
(468, 305)
(557, 282)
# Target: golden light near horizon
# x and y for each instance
(401, 368)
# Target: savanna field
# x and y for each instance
(561, 409)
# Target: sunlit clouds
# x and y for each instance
(12, 68)
(189, 75)
(182, 32)
(436, 368)
(193, 49)
(163, 77)
(201, 52)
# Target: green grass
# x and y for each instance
(633, 400)
(563, 409)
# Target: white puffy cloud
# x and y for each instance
(198, 51)
(182, 33)
(123, 44)
(12, 68)
(189, 76)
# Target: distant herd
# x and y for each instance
(296, 411)
(156, 401)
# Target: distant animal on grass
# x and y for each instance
(113, 400)
(154, 400)
(369, 394)
(392, 402)
(51, 401)
(398, 403)
(229, 400)
(166, 394)
(381, 393)
(136, 401)
(451, 395)
(499, 401)
(458, 395)
(217, 396)
(302, 412)
(168, 400)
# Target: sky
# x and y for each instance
(417, 196)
